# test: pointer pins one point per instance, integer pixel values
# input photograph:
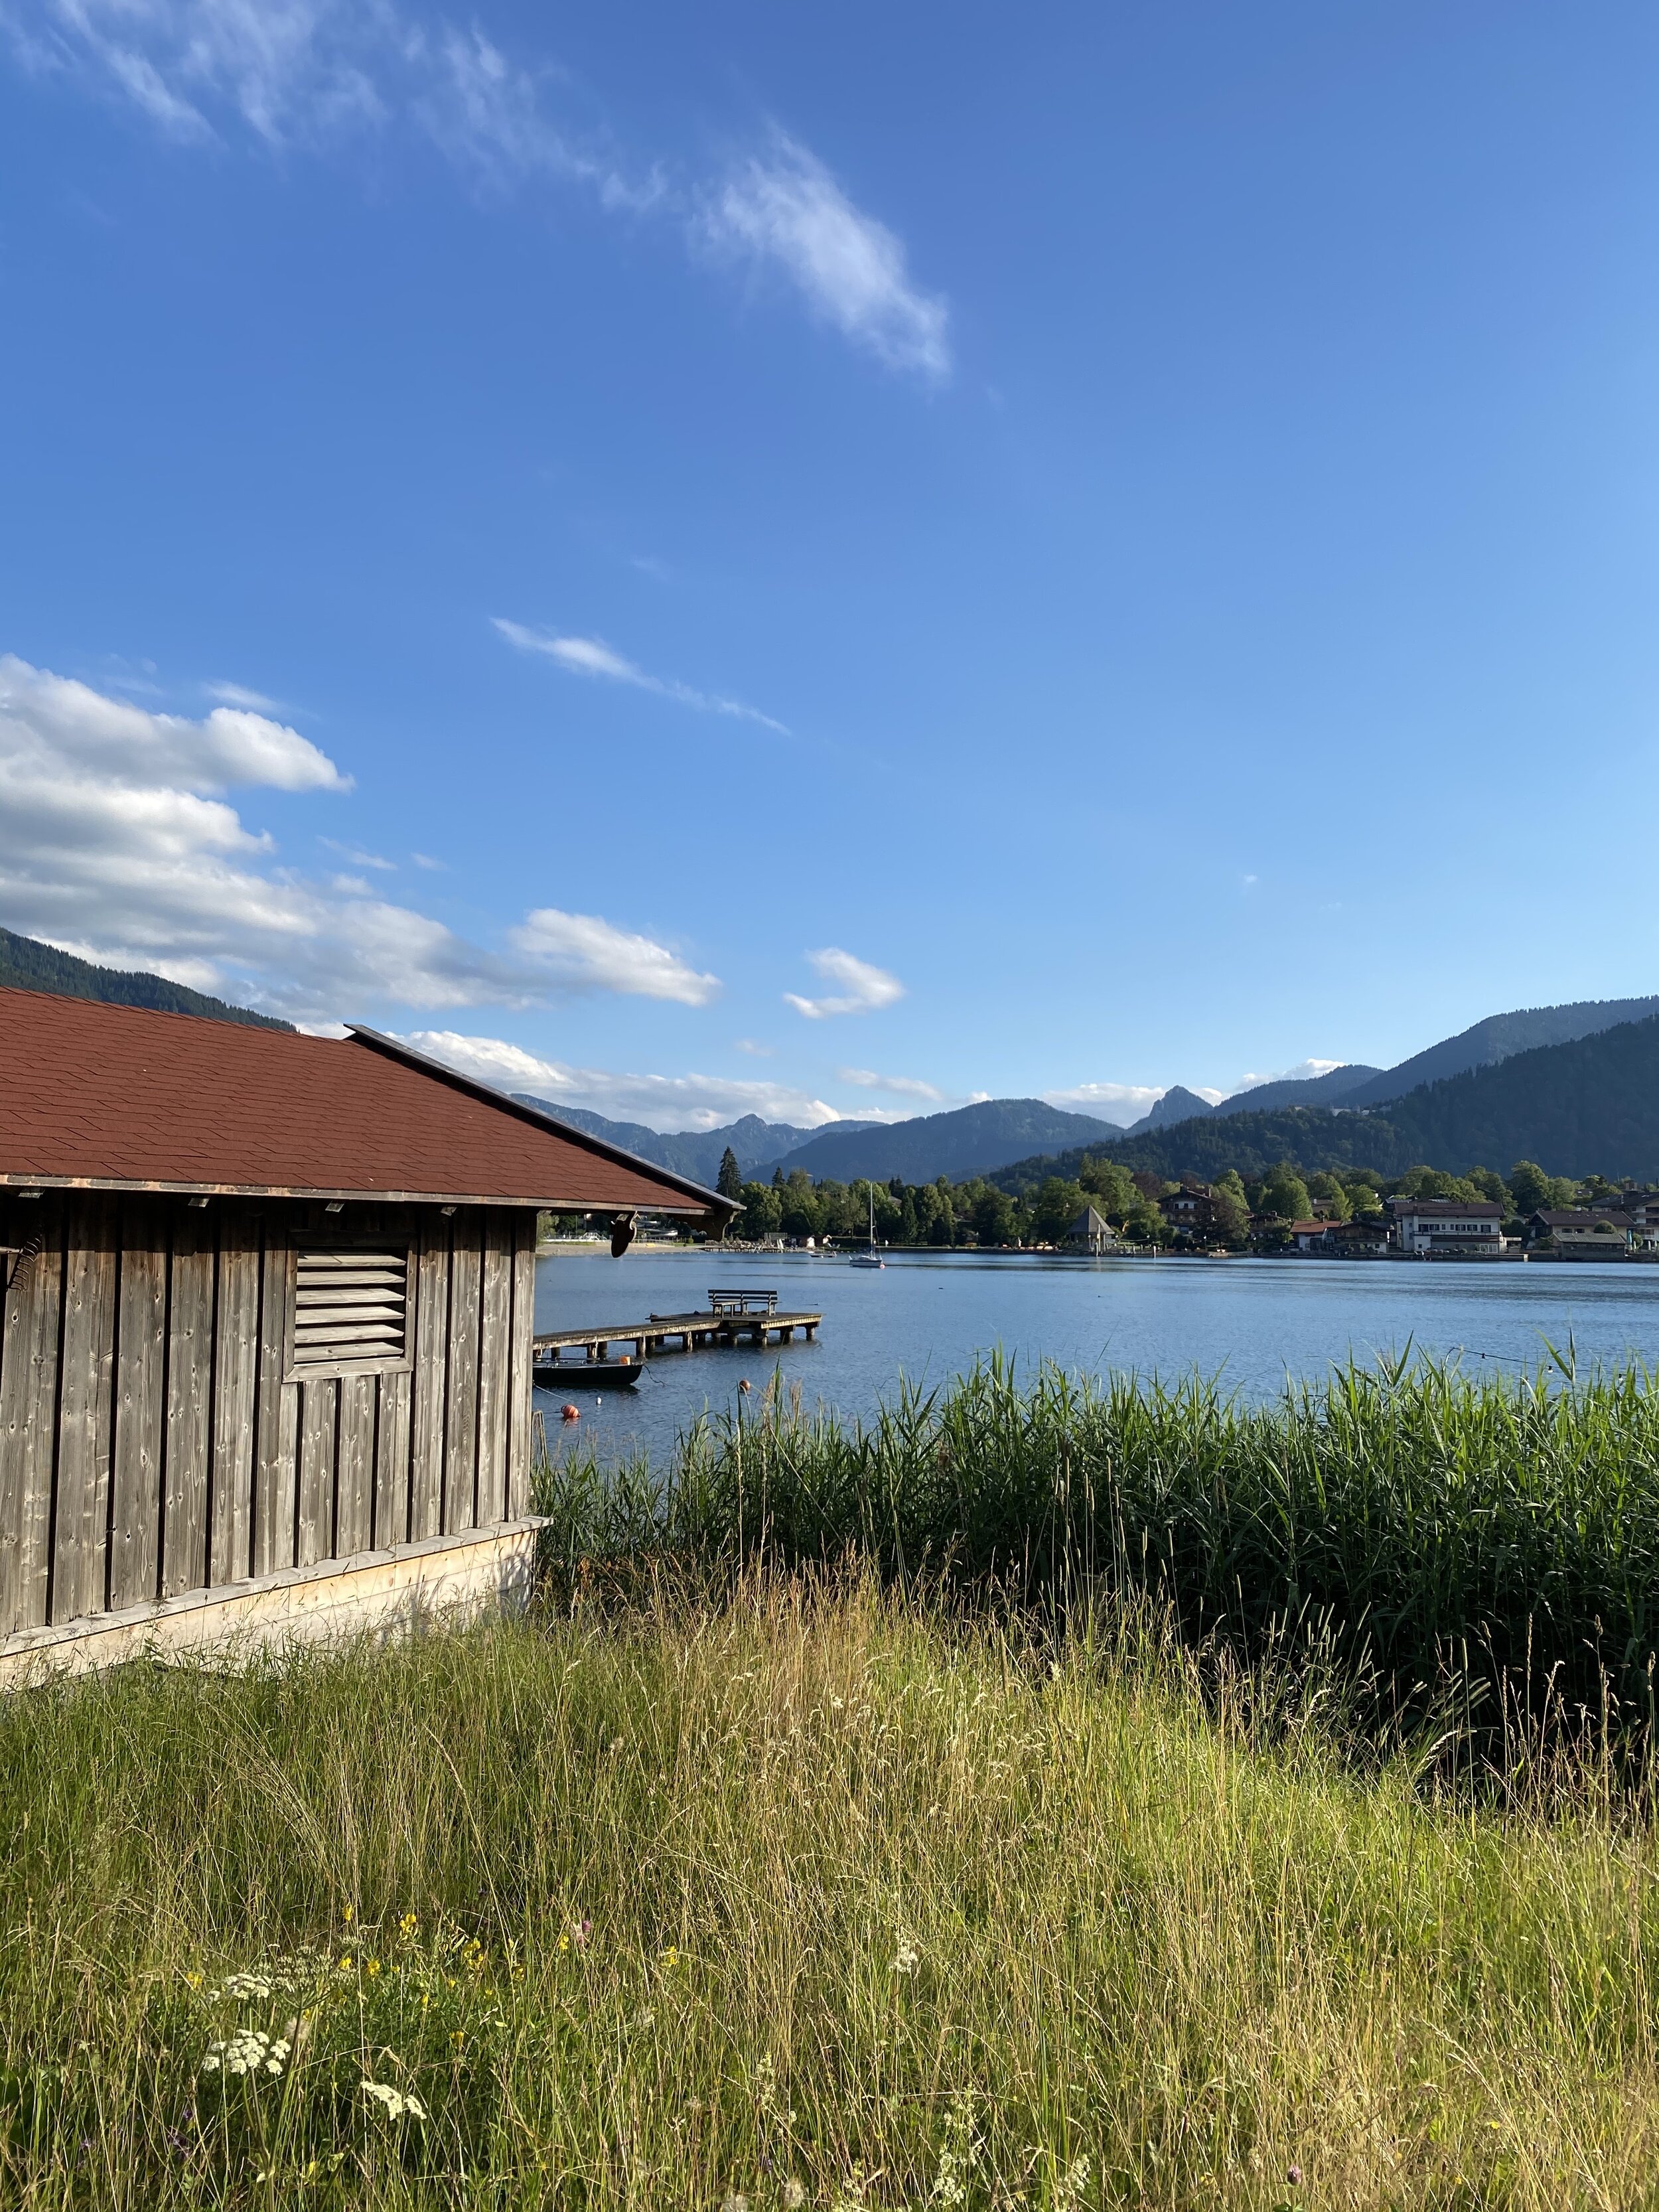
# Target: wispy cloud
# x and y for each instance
(663, 1101)
(238, 695)
(582, 951)
(755, 1051)
(590, 656)
(900, 1086)
(783, 207)
(863, 988)
(116, 842)
(314, 73)
(357, 857)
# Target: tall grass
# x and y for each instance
(812, 1895)
(1406, 1516)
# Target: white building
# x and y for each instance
(1448, 1227)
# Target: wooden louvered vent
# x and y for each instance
(350, 1310)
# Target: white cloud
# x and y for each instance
(863, 988)
(1121, 1102)
(103, 736)
(116, 843)
(755, 1051)
(307, 72)
(901, 1086)
(590, 656)
(784, 207)
(1301, 1073)
(585, 953)
(662, 1102)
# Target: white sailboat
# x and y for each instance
(870, 1258)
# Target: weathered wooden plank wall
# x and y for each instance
(149, 1443)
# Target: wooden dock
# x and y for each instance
(687, 1332)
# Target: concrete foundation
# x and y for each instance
(379, 1593)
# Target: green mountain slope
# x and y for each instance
(1585, 1107)
(968, 1140)
(1498, 1038)
(26, 965)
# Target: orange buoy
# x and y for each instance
(570, 1413)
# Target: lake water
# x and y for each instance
(1253, 1321)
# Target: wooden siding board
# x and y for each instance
(319, 1406)
(235, 1391)
(190, 1406)
(461, 1424)
(135, 1462)
(392, 1462)
(354, 1486)
(494, 1377)
(80, 1521)
(521, 1372)
(431, 1346)
(28, 1428)
(276, 1423)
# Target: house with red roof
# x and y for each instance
(265, 1342)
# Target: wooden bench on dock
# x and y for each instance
(732, 1315)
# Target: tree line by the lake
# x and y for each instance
(978, 1211)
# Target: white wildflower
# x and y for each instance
(399, 2102)
(1067, 2191)
(907, 1958)
(1069, 2187)
(794, 2194)
(960, 2154)
(735, 2202)
(247, 2052)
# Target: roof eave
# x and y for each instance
(553, 1203)
(706, 1201)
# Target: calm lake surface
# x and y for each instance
(927, 1314)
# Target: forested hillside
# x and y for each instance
(26, 965)
(1588, 1106)
(967, 1140)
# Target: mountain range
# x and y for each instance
(1499, 1037)
(1588, 1106)
(1574, 1086)
(756, 1144)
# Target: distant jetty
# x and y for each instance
(731, 1317)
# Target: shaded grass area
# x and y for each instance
(812, 1894)
(1486, 1539)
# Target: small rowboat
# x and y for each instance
(588, 1374)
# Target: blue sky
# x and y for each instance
(834, 561)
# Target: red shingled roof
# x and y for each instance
(115, 1097)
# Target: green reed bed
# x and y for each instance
(813, 1895)
(1406, 1516)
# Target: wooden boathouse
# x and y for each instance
(265, 1343)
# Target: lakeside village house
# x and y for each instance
(265, 1342)
(1430, 1229)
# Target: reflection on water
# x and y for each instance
(926, 1315)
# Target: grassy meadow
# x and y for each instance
(785, 1858)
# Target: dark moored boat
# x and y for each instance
(587, 1373)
